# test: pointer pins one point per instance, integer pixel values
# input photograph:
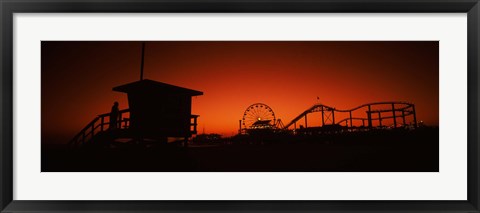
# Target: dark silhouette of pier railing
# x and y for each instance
(385, 110)
(101, 123)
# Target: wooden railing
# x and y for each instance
(101, 123)
(193, 124)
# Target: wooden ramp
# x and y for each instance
(99, 131)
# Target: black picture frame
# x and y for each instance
(9, 7)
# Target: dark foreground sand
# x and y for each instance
(384, 151)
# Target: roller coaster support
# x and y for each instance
(394, 116)
(384, 112)
(333, 115)
(380, 118)
(323, 117)
(414, 116)
(351, 120)
(239, 126)
(369, 117)
(306, 120)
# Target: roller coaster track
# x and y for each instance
(405, 108)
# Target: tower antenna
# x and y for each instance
(143, 60)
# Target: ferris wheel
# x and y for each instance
(258, 116)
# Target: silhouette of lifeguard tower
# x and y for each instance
(157, 111)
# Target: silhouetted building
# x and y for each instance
(159, 110)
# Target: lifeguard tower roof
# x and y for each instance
(155, 86)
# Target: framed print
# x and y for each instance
(239, 106)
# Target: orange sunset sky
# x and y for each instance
(78, 77)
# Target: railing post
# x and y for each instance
(102, 123)
(119, 122)
(195, 124)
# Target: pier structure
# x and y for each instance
(377, 115)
